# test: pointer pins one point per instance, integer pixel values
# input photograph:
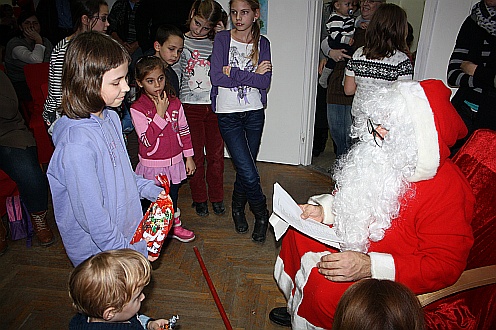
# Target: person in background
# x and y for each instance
(340, 29)
(153, 13)
(29, 47)
(19, 159)
(55, 19)
(471, 68)
(95, 193)
(206, 16)
(241, 72)
(107, 290)
(374, 304)
(401, 208)
(169, 45)
(87, 15)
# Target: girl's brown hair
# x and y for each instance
(255, 29)
(109, 279)
(210, 11)
(147, 64)
(386, 32)
(378, 305)
(89, 56)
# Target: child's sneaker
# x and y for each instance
(179, 232)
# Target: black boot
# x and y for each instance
(261, 220)
(238, 212)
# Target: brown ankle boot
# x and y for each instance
(40, 226)
(3, 238)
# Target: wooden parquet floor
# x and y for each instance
(33, 293)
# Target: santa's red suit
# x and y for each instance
(427, 245)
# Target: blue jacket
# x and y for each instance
(238, 77)
(95, 193)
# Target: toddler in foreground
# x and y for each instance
(106, 290)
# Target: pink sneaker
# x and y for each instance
(182, 234)
(179, 232)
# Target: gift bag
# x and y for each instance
(19, 220)
(156, 222)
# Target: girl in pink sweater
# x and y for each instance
(163, 132)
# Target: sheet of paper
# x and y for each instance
(286, 212)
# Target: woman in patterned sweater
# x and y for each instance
(383, 59)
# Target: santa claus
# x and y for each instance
(402, 208)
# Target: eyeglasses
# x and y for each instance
(372, 128)
(101, 18)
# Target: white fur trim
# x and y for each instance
(283, 280)
(382, 266)
(308, 261)
(425, 130)
(326, 201)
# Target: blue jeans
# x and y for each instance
(339, 120)
(242, 132)
(23, 168)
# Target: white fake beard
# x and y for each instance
(371, 181)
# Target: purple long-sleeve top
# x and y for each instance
(237, 77)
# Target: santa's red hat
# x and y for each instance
(437, 124)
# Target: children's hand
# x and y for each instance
(161, 102)
(226, 70)
(315, 212)
(162, 195)
(190, 166)
(157, 324)
(351, 42)
(322, 64)
(152, 259)
(219, 27)
(263, 67)
(364, 25)
(468, 67)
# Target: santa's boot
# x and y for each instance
(261, 220)
(41, 229)
(3, 238)
(238, 212)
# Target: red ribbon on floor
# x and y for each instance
(212, 290)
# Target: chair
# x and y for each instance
(37, 76)
(7, 188)
(470, 302)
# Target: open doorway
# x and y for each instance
(323, 156)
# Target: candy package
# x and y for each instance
(156, 222)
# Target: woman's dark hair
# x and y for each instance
(165, 31)
(24, 16)
(378, 305)
(386, 32)
(80, 8)
(89, 56)
(147, 64)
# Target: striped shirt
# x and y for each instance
(340, 28)
(54, 98)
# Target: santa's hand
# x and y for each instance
(345, 266)
(152, 259)
(315, 212)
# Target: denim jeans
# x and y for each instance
(242, 132)
(339, 120)
(23, 168)
(208, 146)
